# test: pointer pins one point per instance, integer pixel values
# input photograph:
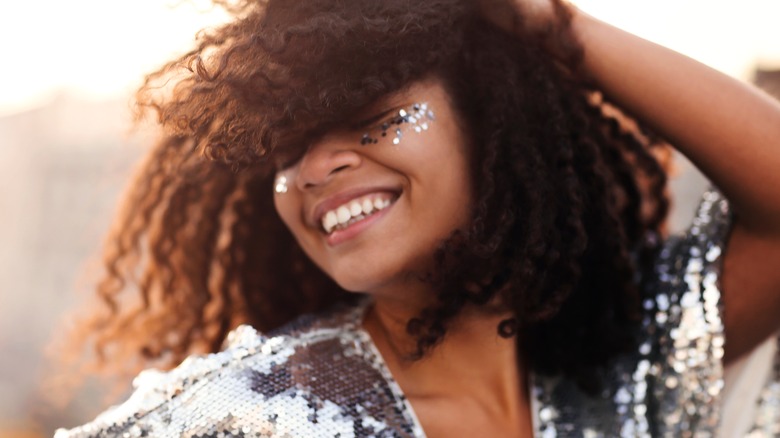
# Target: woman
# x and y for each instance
(438, 220)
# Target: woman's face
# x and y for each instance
(370, 202)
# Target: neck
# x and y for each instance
(471, 361)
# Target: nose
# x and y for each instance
(323, 161)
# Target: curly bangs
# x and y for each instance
(286, 72)
(568, 209)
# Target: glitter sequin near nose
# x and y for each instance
(418, 116)
(280, 185)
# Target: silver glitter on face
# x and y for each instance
(417, 117)
(323, 376)
(280, 184)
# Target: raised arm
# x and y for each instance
(731, 132)
(728, 129)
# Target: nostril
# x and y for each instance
(339, 168)
(323, 162)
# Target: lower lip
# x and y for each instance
(353, 230)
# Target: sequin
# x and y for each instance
(317, 377)
(676, 375)
(417, 116)
(280, 185)
(322, 376)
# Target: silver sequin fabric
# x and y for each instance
(322, 376)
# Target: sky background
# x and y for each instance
(98, 49)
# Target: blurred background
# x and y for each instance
(66, 147)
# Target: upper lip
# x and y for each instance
(340, 198)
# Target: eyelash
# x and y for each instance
(370, 122)
(414, 113)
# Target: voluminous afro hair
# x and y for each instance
(569, 202)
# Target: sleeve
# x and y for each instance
(168, 404)
(685, 322)
(128, 418)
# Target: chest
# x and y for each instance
(448, 418)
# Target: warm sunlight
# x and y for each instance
(93, 48)
(72, 169)
(101, 49)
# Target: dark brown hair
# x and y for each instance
(569, 203)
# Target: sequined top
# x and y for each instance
(322, 376)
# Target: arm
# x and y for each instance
(731, 132)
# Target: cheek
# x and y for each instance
(287, 207)
(448, 173)
(451, 207)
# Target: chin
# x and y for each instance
(359, 285)
(376, 273)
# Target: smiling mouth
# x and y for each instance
(355, 210)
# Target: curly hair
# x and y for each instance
(570, 204)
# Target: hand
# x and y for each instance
(536, 15)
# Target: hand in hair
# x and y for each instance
(537, 15)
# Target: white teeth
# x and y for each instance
(343, 214)
(355, 208)
(329, 221)
(355, 211)
(368, 206)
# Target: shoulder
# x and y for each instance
(683, 320)
(673, 378)
(305, 379)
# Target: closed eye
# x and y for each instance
(366, 123)
(418, 114)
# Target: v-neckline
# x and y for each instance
(355, 321)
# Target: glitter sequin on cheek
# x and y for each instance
(417, 116)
